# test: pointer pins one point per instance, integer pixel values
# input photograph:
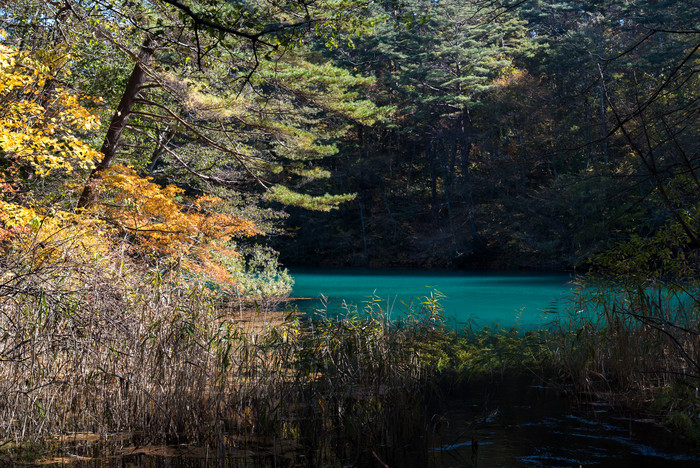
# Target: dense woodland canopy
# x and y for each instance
(417, 133)
(535, 136)
(207, 109)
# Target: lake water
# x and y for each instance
(507, 422)
(517, 424)
(500, 423)
(527, 300)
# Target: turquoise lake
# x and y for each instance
(527, 300)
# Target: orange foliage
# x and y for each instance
(163, 224)
(40, 128)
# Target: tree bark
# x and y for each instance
(119, 120)
(365, 255)
(466, 145)
(603, 123)
(433, 176)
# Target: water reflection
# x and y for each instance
(534, 426)
(500, 423)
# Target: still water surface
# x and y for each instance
(516, 424)
(527, 300)
(500, 423)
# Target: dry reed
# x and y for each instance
(102, 347)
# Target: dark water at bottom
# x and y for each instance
(529, 425)
(496, 424)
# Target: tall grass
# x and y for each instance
(100, 346)
(635, 344)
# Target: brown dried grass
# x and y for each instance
(104, 348)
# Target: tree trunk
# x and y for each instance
(523, 169)
(589, 131)
(603, 123)
(466, 146)
(446, 189)
(433, 177)
(119, 120)
(365, 255)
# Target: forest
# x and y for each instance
(533, 138)
(163, 161)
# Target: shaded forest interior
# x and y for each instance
(531, 138)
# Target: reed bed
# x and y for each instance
(634, 344)
(98, 346)
(98, 349)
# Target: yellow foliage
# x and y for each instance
(511, 75)
(40, 129)
(38, 125)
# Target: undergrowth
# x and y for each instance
(634, 344)
(102, 347)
